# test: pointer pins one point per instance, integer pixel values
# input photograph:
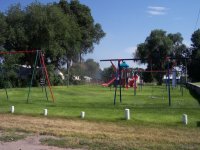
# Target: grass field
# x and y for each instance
(153, 124)
(149, 105)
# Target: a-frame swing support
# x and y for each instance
(43, 66)
(41, 57)
(43, 78)
(5, 88)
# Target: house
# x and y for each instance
(87, 79)
(58, 72)
(76, 78)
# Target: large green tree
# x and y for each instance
(108, 73)
(157, 47)
(194, 65)
(85, 31)
(62, 30)
(3, 28)
(92, 68)
(91, 32)
(16, 38)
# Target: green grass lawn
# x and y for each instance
(149, 106)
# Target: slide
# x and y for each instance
(109, 82)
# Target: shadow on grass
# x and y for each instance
(195, 95)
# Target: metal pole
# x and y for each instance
(6, 93)
(115, 94)
(43, 77)
(68, 75)
(169, 95)
(35, 64)
(115, 84)
(185, 71)
(21, 51)
(46, 74)
(134, 84)
(46, 93)
(3, 83)
(120, 81)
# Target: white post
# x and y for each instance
(45, 112)
(127, 114)
(12, 109)
(82, 114)
(184, 119)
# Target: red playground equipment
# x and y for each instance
(123, 77)
(109, 82)
(133, 81)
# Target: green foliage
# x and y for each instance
(90, 33)
(62, 30)
(16, 37)
(108, 74)
(92, 68)
(157, 47)
(3, 28)
(194, 65)
(88, 68)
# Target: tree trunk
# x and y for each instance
(80, 57)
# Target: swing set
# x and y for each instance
(39, 61)
(118, 77)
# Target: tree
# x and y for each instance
(16, 38)
(157, 47)
(49, 30)
(108, 73)
(84, 32)
(3, 28)
(62, 30)
(91, 33)
(179, 50)
(194, 65)
(92, 68)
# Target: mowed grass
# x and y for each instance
(148, 107)
(153, 124)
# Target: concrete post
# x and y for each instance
(184, 119)
(127, 114)
(45, 112)
(82, 114)
(12, 109)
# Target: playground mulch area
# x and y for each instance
(27, 132)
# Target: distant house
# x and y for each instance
(76, 78)
(58, 72)
(87, 79)
(165, 77)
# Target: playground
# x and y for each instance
(151, 108)
(63, 87)
(147, 115)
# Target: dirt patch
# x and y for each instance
(95, 135)
(30, 143)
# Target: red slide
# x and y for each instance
(109, 82)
